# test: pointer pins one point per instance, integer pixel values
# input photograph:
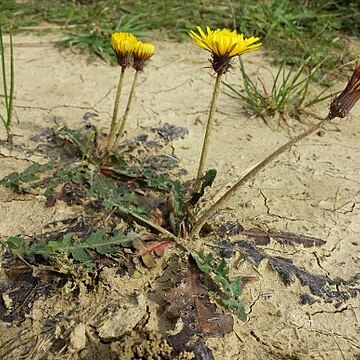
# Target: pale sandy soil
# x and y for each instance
(313, 190)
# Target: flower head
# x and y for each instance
(223, 44)
(123, 44)
(342, 104)
(142, 53)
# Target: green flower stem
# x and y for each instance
(120, 131)
(112, 134)
(250, 175)
(209, 126)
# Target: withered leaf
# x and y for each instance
(148, 250)
(190, 304)
(291, 238)
(263, 238)
(321, 286)
(157, 216)
(148, 260)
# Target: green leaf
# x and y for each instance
(80, 254)
(241, 314)
(82, 250)
(207, 181)
(14, 242)
(156, 181)
(100, 243)
(30, 175)
(222, 268)
(53, 246)
(89, 264)
(230, 288)
(73, 136)
(204, 262)
(39, 248)
(236, 286)
(12, 180)
(237, 306)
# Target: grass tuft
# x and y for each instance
(289, 94)
(296, 30)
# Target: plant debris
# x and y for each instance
(262, 237)
(171, 132)
(22, 286)
(148, 250)
(197, 316)
(321, 286)
(161, 162)
(283, 237)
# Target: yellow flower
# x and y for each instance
(123, 45)
(142, 53)
(223, 44)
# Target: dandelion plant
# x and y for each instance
(223, 45)
(123, 45)
(141, 54)
(130, 52)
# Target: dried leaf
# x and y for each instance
(116, 322)
(189, 303)
(52, 199)
(319, 285)
(229, 228)
(263, 238)
(138, 244)
(159, 248)
(206, 181)
(148, 260)
(171, 202)
(157, 216)
(249, 279)
(146, 251)
(156, 247)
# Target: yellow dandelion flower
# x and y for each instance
(123, 44)
(142, 53)
(223, 44)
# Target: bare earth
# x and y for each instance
(312, 190)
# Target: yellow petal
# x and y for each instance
(223, 42)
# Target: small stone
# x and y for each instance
(77, 338)
(123, 320)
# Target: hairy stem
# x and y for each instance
(112, 134)
(207, 136)
(251, 174)
(120, 131)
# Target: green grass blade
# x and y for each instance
(3, 121)
(12, 84)
(317, 99)
(3, 69)
(87, 146)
